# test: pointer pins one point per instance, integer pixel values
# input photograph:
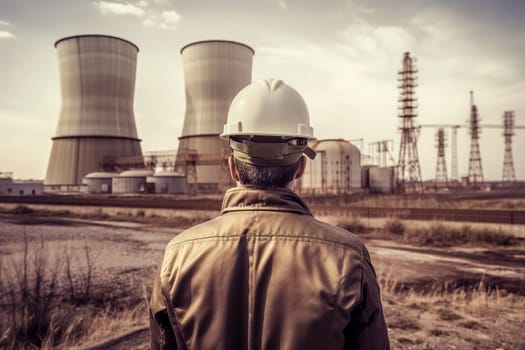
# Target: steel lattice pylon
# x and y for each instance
(508, 163)
(408, 171)
(475, 170)
(441, 179)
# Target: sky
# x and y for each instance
(342, 56)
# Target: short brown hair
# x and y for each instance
(266, 176)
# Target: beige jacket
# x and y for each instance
(265, 274)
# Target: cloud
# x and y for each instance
(167, 26)
(4, 23)
(283, 4)
(116, 8)
(4, 34)
(286, 55)
(168, 20)
(151, 16)
(149, 22)
(170, 16)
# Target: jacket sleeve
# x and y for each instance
(367, 328)
(161, 332)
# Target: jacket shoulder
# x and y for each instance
(205, 229)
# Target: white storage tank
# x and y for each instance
(131, 181)
(168, 182)
(382, 179)
(99, 182)
(336, 168)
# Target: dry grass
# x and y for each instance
(353, 224)
(440, 234)
(441, 202)
(477, 318)
(436, 234)
(138, 216)
(108, 323)
(49, 303)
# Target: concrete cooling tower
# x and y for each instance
(214, 71)
(97, 78)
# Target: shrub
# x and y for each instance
(354, 225)
(22, 209)
(395, 226)
(439, 234)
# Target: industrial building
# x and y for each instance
(336, 168)
(10, 187)
(99, 182)
(214, 72)
(135, 181)
(132, 181)
(97, 78)
(96, 136)
(167, 182)
(382, 179)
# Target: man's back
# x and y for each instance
(266, 275)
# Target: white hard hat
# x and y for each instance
(268, 108)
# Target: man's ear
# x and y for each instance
(233, 170)
(300, 169)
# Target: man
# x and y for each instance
(265, 274)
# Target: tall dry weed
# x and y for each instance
(28, 293)
(36, 313)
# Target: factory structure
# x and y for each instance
(96, 148)
(214, 72)
(10, 187)
(97, 79)
(335, 169)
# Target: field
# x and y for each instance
(444, 285)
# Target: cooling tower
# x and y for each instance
(214, 71)
(97, 78)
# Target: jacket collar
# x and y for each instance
(268, 199)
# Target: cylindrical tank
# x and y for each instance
(168, 182)
(214, 72)
(131, 181)
(97, 78)
(365, 175)
(336, 168)
(99, 182)
(382, 179)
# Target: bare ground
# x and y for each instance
(434, 298)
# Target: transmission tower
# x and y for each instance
(508, 132)
(408, 171)
(441, 179)
(475, 170)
